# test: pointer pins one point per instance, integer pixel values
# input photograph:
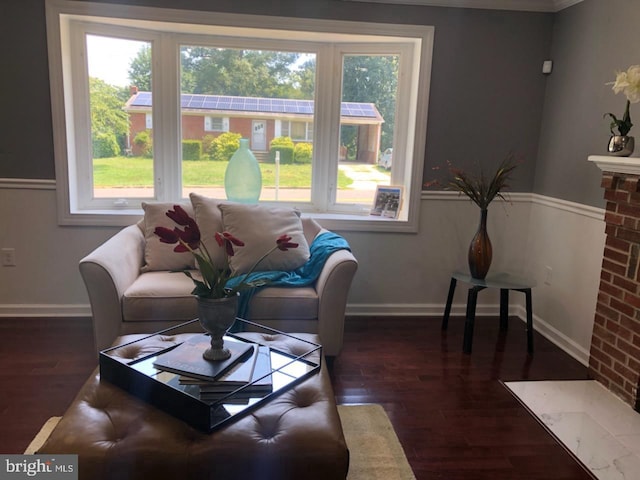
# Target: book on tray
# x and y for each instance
(186, 358)
(239, 374)
(259, 385)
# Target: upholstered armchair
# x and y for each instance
(127, 297)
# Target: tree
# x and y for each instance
(140, 69)
(248, 73)
(304, 80)
(108, 119)
(226, 71)
(371, 79)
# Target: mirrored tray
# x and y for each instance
(130, 367)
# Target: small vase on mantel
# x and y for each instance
(621, 145)
(243, 178)
(216, 315)
(480, 250)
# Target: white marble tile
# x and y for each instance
(632, 442)
(599, 428)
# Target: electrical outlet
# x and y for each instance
(8, 257)
(548, 275)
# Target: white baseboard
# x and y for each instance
(556, 337)
(44, 310)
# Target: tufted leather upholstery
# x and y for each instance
(297, 435)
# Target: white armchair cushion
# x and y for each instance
(299, 303)
(259, 226)
(156, 296)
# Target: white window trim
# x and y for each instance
(418, 38)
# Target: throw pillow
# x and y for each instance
(209, 219)
(158, 255)
(259, 226)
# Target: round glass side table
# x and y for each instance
(505, 282)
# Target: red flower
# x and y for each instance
(190, 235)
(166, 235)
(284, 243)
(228, 241)
(179, 216)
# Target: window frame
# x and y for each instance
(413, 43)
(223, 120)
(308, 131)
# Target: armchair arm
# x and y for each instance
(107, 272)
(332, 288)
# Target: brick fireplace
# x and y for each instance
(615, 345)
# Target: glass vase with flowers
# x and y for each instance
(217, 303)
(482, 191)
(621, 144)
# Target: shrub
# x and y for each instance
(207, 145)
(144, 143)
(191, 149)
(105, 145)
(224, 146)
(303, 153)
(285, 146)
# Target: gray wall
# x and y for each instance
(487, 90)
(591, 40)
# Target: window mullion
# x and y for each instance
(327, 130)
(167, 153)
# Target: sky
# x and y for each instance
(109, 58)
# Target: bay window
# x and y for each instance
(146, 104)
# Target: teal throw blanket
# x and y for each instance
(322, 246)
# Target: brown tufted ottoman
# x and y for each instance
(297, 435)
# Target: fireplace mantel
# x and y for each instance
(628, 165)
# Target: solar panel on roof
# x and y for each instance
(142, 99)
(196, 102)
(253, 104)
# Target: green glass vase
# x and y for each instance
(243, 179)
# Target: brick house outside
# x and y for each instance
(258, 119)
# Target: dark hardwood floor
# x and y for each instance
(451, 412)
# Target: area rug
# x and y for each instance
(375, 451)
(42, 435)
(600, 431)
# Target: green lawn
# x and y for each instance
(137, 172)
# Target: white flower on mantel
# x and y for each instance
(629, 83)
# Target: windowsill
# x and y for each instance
(331, 221)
